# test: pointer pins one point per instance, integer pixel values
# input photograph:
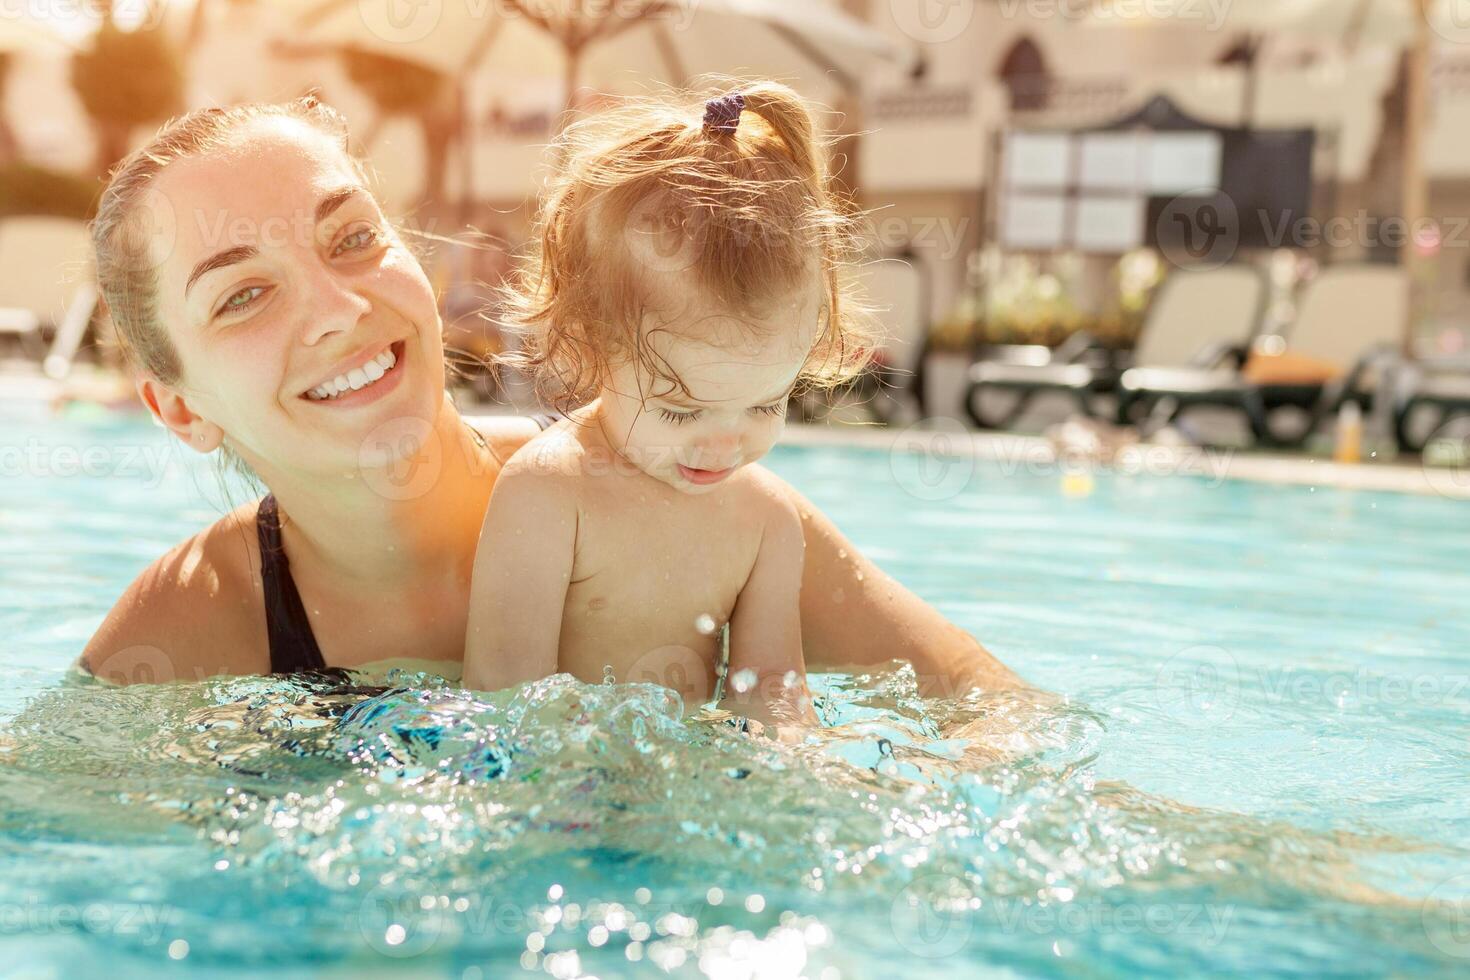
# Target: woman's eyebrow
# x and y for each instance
(240, 253)
(219, 260)
(333, 201)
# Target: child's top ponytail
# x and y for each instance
(736, 191)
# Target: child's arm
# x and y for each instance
(765, 628)
(522, 567)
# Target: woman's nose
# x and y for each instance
(330, 304)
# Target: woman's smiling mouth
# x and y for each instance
(368, 381)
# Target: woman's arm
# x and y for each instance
(195, 612)
(855, 614)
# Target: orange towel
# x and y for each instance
(1288, 368)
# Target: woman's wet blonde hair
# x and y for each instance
(743, 213)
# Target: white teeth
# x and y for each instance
(358, 377)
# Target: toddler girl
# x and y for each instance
(691, 273)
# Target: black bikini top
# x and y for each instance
(293, 645)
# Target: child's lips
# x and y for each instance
(704, 477)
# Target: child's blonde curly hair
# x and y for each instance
(731, 197)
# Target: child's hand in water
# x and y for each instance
(786, 734)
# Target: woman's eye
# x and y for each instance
(240, 299)
(357, 241)
(676, 418)
(776, 411)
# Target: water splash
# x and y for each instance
(575, 828)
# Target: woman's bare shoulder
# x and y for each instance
(196, 611)
(504, 434)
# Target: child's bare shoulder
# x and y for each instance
(543, 472)
(765, 497)
(555, 452)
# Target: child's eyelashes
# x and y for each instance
(677, 418)
(775, 410)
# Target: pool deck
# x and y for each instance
(1035, 454)
(26, 394)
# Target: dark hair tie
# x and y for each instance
(722, 115)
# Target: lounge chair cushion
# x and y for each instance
(1182, 381)
(1288, 368)
(1032, 375)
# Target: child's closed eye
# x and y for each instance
(775, 410)
(677, 418)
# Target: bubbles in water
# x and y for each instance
(419, 813)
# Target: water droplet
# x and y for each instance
(607, 674)
(178, 949)
(705, 623)
(743, 680)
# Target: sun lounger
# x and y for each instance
(1195, 320)
(1349, 325)
(46, 265)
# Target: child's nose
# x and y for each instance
(721, 443)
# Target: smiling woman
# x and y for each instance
(273, 313)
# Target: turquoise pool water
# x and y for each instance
(1260, 764)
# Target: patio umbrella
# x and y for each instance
(666, 40)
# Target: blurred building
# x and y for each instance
(928, 137)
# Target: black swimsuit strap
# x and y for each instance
(292, 643)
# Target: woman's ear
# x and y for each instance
(174, 413)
